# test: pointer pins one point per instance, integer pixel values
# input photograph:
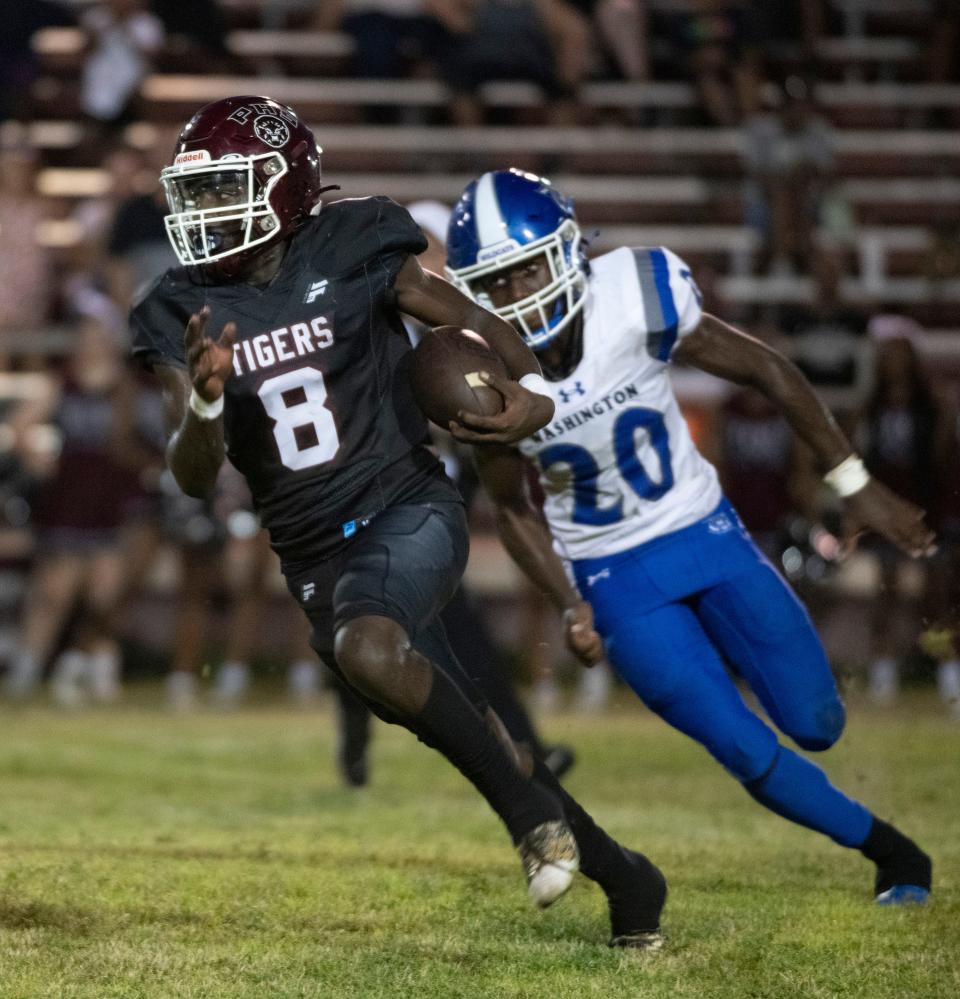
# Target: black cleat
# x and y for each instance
(559, 760)
(904, 871)
(354, 771)
(636, 904)
(639, 941)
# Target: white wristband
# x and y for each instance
(536, 383)
(205, 410)
(848, 477)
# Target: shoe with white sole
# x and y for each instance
(550, 859)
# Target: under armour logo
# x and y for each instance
(308, 591)
(315, 291)
(567, 394)
(602, 574)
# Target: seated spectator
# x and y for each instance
(197, 28)
(548, 45)
(281, 15)
(137, 247)
(773, 32)
(25, 265)
(757, 466)
(122, 38)
(94, 215)
(943, 65)
(708, 39)
(941, 262)
(621, 27)
(788, 156)
(78, 572)
(19, 64)
(903, 423)
(391, 36)
(826, 336)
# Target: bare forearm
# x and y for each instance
(519, 359)
(527, 540)
(195, 453)
(436, 302)
(728, 353)
(195, 448)
(786, 387)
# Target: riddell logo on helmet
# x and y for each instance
(195, 156)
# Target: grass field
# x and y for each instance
(146, 855)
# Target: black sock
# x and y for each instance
(449, 723)
(634, 886)
(353, 735)
(899, 860)
(485, 666)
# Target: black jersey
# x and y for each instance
(318, 415)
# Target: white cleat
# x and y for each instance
(550, 859)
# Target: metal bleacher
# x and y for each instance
(642, 170)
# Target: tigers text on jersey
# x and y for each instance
(617, 463)
(318, 414)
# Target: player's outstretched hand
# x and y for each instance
(876, 508)
(209, 362)
(582, 638)
(523, 414)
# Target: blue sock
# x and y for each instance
(797, 790)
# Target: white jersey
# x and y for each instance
(617, 462)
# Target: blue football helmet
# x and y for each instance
(504, 218)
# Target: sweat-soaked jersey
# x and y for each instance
(318, 414)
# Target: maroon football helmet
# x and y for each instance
(246, 171)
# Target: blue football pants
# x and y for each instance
(673, 610)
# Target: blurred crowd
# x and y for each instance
(107, 570)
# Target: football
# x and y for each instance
(445, 375)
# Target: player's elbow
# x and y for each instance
(193, 482)
(195, 471)
(819, 726)
(198, 490)
(774, 375)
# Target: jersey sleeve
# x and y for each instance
(396, 230)
(157, 325)
(363, 232)
(671, 299)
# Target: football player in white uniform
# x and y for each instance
(659, 568)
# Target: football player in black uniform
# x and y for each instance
(306, 391)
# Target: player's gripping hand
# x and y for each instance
(876, 508)
(583, 639)
(523, 414)
(209, 362)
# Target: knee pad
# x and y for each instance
(821, 727)
(368, 650)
